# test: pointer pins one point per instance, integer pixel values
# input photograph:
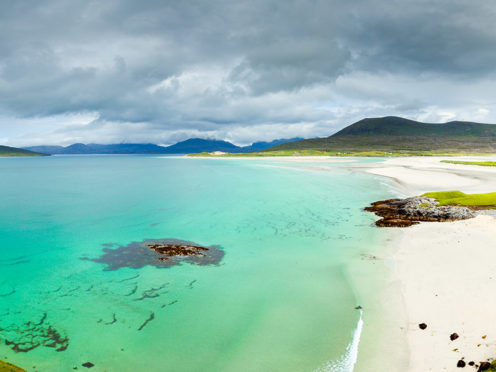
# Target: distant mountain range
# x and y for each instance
(14, 151)
(386, 134)
(185, 147)
(393, 133)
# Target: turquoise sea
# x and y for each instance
(280, 299)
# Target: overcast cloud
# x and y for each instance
(163, 71)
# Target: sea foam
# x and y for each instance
(346, 363)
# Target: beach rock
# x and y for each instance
(461, 364)
(484, 366)
(454, 336)
(395, 222)
(409, 211)
(422, 326)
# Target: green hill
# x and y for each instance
(394, 134)
(13, 151)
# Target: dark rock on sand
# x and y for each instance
(461, 364)
(409, 211)
(484, 366)
(422, 326)
(454, 336)
(161, 253)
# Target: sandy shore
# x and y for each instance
(440, 274)
(445, 272)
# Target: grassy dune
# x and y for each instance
(462, 199)
(481, 163)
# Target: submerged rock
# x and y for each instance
(409, 211)
(161, 253)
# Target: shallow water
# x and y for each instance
(279, 300)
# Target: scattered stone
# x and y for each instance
(454, 336)
(88, 365)
(471, 363)
(484, 337)
(422, 326)
(358, 307)
(409, 211)
(461, 364)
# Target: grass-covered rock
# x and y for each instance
(9, 367)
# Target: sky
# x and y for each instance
(158, 71)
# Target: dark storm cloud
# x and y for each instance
(180, 67)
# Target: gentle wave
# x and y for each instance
(347, 361)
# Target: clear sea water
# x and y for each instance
(280, 300)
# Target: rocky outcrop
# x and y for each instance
(171, 250)
(9, 367)
(409, 211)
(161, 253)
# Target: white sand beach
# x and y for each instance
(445, 272)
(440, 274)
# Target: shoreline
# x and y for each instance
(438, 273)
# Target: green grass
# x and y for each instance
(315, 152)
(481, 163)
(493, 367)
(462, 199)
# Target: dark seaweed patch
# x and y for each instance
(30, 335)
(139, 254)
(150, 318)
